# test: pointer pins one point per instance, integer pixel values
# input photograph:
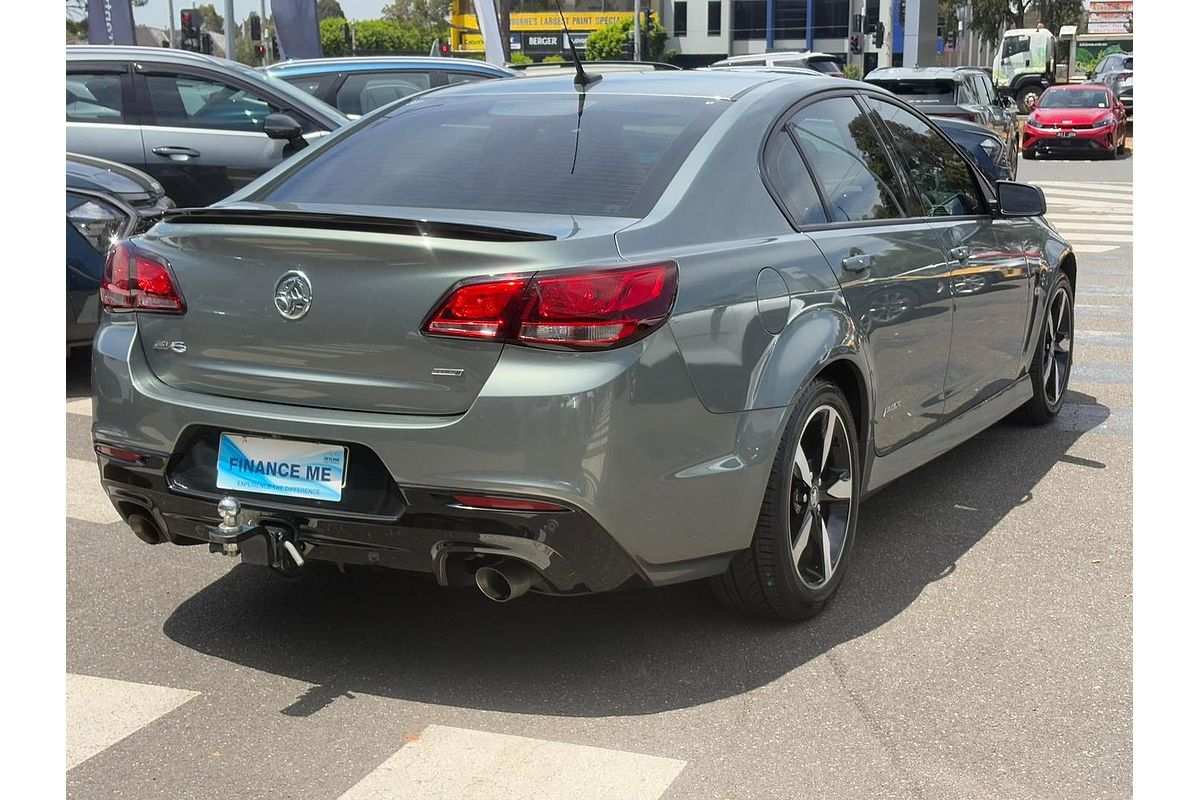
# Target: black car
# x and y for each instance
(996, 160)
(106, 201)
(966, 93)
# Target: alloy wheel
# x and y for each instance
(822, 488)
(1056, 346)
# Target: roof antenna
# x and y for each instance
(582, 79)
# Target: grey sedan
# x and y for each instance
(579, 335)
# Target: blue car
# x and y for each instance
(359, 85)
(106, 201)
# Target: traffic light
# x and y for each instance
(858, 23)
(879, 34)
(627, 47)
(260, 50)
(206, 45)
(855, 43)
(255, 28)
(189, 30)
(444, 49)
(274, 47)
(647, 20)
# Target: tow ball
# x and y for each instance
(269, 542)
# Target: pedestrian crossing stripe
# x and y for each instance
(488, 765)
(1094, 217)
(80, 406)
(102, 712)
(86, 498)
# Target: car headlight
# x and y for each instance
(99, 222)
(992, 147)
(1033, 123)
(1104, 123)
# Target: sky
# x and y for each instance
(154, 13)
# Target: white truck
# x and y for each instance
(1031, 59)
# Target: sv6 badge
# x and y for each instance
(174, 347)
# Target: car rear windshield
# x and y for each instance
(1074, 98)
(609, 155)
(922, 92)
(826, 65)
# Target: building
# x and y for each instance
(536, 28)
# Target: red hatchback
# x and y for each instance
(1075, 119)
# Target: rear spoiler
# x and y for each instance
(278, 218)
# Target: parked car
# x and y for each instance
(996, 159)
(203, 127)
(358, 85)
(957, 92)
(106, 201)
(593, 67)
(821, 62)
(1116, 72)
(1079, 118)
(596, 338)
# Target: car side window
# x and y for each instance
(791, 180)
(187, 101)
(95, 97)
(463, 77)
(967, 92)
(986, 95)
(849, 160)
(363, 93)
(938, 171)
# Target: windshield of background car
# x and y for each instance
(508, 152)
(922, 92)
(1073, 98)
(300, 97)
(826, 65)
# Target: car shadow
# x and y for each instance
(627, 653)
(79, 373)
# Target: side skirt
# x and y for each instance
(885, 469)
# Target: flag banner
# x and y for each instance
(296, 28)
(110, 22)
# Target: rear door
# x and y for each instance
(989, 280)
(204, 138)
(102, 117)
(889, 262)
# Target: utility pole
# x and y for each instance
(637, 30)
(885, 19)
(171, 20)
(266, 40)
(230, 27)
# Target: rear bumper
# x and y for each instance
(659, 490)
(1083, 140)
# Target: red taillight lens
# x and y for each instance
(119, 454)
(574, 309)
(135, 281)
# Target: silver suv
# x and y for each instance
(821, 62)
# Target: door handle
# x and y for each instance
(858, 262)
(961, 253)
(176, 153)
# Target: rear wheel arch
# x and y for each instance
(848, 377)
(1068, 268)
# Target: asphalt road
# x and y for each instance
(979, 647)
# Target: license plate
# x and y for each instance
(280, 467)
(1066, 134)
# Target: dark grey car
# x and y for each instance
(195, 123)
(519, 335)
(1116, 72)
(966, 93)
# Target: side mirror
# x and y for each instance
(1020, 199)
(285, 127)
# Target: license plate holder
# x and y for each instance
(281, 467)
(1066, 134)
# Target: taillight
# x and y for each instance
(136, 281)
(506, 503)
(578, 309)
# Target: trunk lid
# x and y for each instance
(373, 283)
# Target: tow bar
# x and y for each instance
(268, 542)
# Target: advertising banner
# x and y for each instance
(296, 27)
(110, 22)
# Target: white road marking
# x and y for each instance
(459, 764)
(1093, 238)
(1093, 217)
(1093, 248)
(1056, 215)
(1119, 187)
(1074, 194)
(86, 499)
(102, 712)
(81, 406)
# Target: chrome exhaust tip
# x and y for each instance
(144, 528)
(506, 581)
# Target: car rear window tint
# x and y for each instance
(551, 153)
(93, 97)
(365, 92)
(922, 92)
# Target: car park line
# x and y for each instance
(86, 499)
(102, 712)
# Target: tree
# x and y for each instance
(210, 20)
(608, 43)
(374, 35)
(989, 18)
(333, 37)
(421, 13)
(329, 9)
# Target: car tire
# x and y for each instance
(786, 573)
(1051, 368)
